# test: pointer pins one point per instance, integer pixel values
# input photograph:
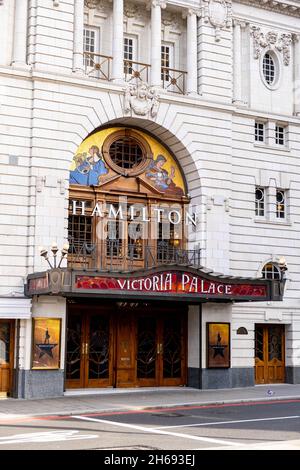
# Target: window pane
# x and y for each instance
(271, 271)
(259, 202)
(269, 69)
(280, 204)
(126, 153)
(259, 132)
(280, 135)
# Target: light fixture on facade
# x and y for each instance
(282, 264)
(54, 248)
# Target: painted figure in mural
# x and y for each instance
(89, 168)
(162, 179)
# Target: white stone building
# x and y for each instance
(212, 86)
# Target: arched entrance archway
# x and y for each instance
(128, 211)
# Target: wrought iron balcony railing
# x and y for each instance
(173, 80)
(116, 255)
(136, 71)
(100, 66)
(97, 65)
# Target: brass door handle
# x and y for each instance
(86, 348)
(82, 348)
(159, 348)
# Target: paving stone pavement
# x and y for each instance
(135, 399)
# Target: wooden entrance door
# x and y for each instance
(125, 347)
(269, 354)
(161, 349)
(89, 350)
(6, 354)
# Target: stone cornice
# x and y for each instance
(286, 7)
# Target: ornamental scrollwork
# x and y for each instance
(219, 14)
(271, 40)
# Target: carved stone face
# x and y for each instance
(272, 37)
(143, 92)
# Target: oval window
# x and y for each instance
(270, 69)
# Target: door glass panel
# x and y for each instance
(259, 343)
(146, 348)
(275, 343)
(73, 347)
(4, 342)
(98, 356)
(172, 348)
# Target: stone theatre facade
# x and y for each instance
(149, 197)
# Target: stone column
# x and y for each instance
(191, 55)
(78, 36)
(237, 61)
(118, 41)
(156, 6)
(296, 38)
(20, 34)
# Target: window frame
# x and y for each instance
(260, 132)
(87, 62)
(128, 70)
(280, 134)
(171, 59)
(277, 69)
(146, 150)
(281, 213)
(260, 205)
(274, 270)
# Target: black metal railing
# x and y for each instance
(116, 255)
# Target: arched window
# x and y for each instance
(271, 271)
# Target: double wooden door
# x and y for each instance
(125, 347)
(6, 354)
(269, 354)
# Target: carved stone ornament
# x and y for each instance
(271, 40)
(171, 19)
(131, 10)
(219, 14)
(100, 4)
(141, 99)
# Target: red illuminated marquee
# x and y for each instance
(172, 283)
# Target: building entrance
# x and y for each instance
(269, 354)
(6, 355)
(125, 345)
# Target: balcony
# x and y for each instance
(100, 66)
(116, 255)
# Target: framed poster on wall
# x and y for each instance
(46, 339)
(218, 345)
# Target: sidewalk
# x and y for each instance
(109, 400)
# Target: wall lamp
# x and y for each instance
(54, 248)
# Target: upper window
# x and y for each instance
(90, 45)
(260, 202)
(280, 135)
(280, 204)
(269, 69)
(167, 52)
(259, 132)
(271, 271)
(130, 47)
